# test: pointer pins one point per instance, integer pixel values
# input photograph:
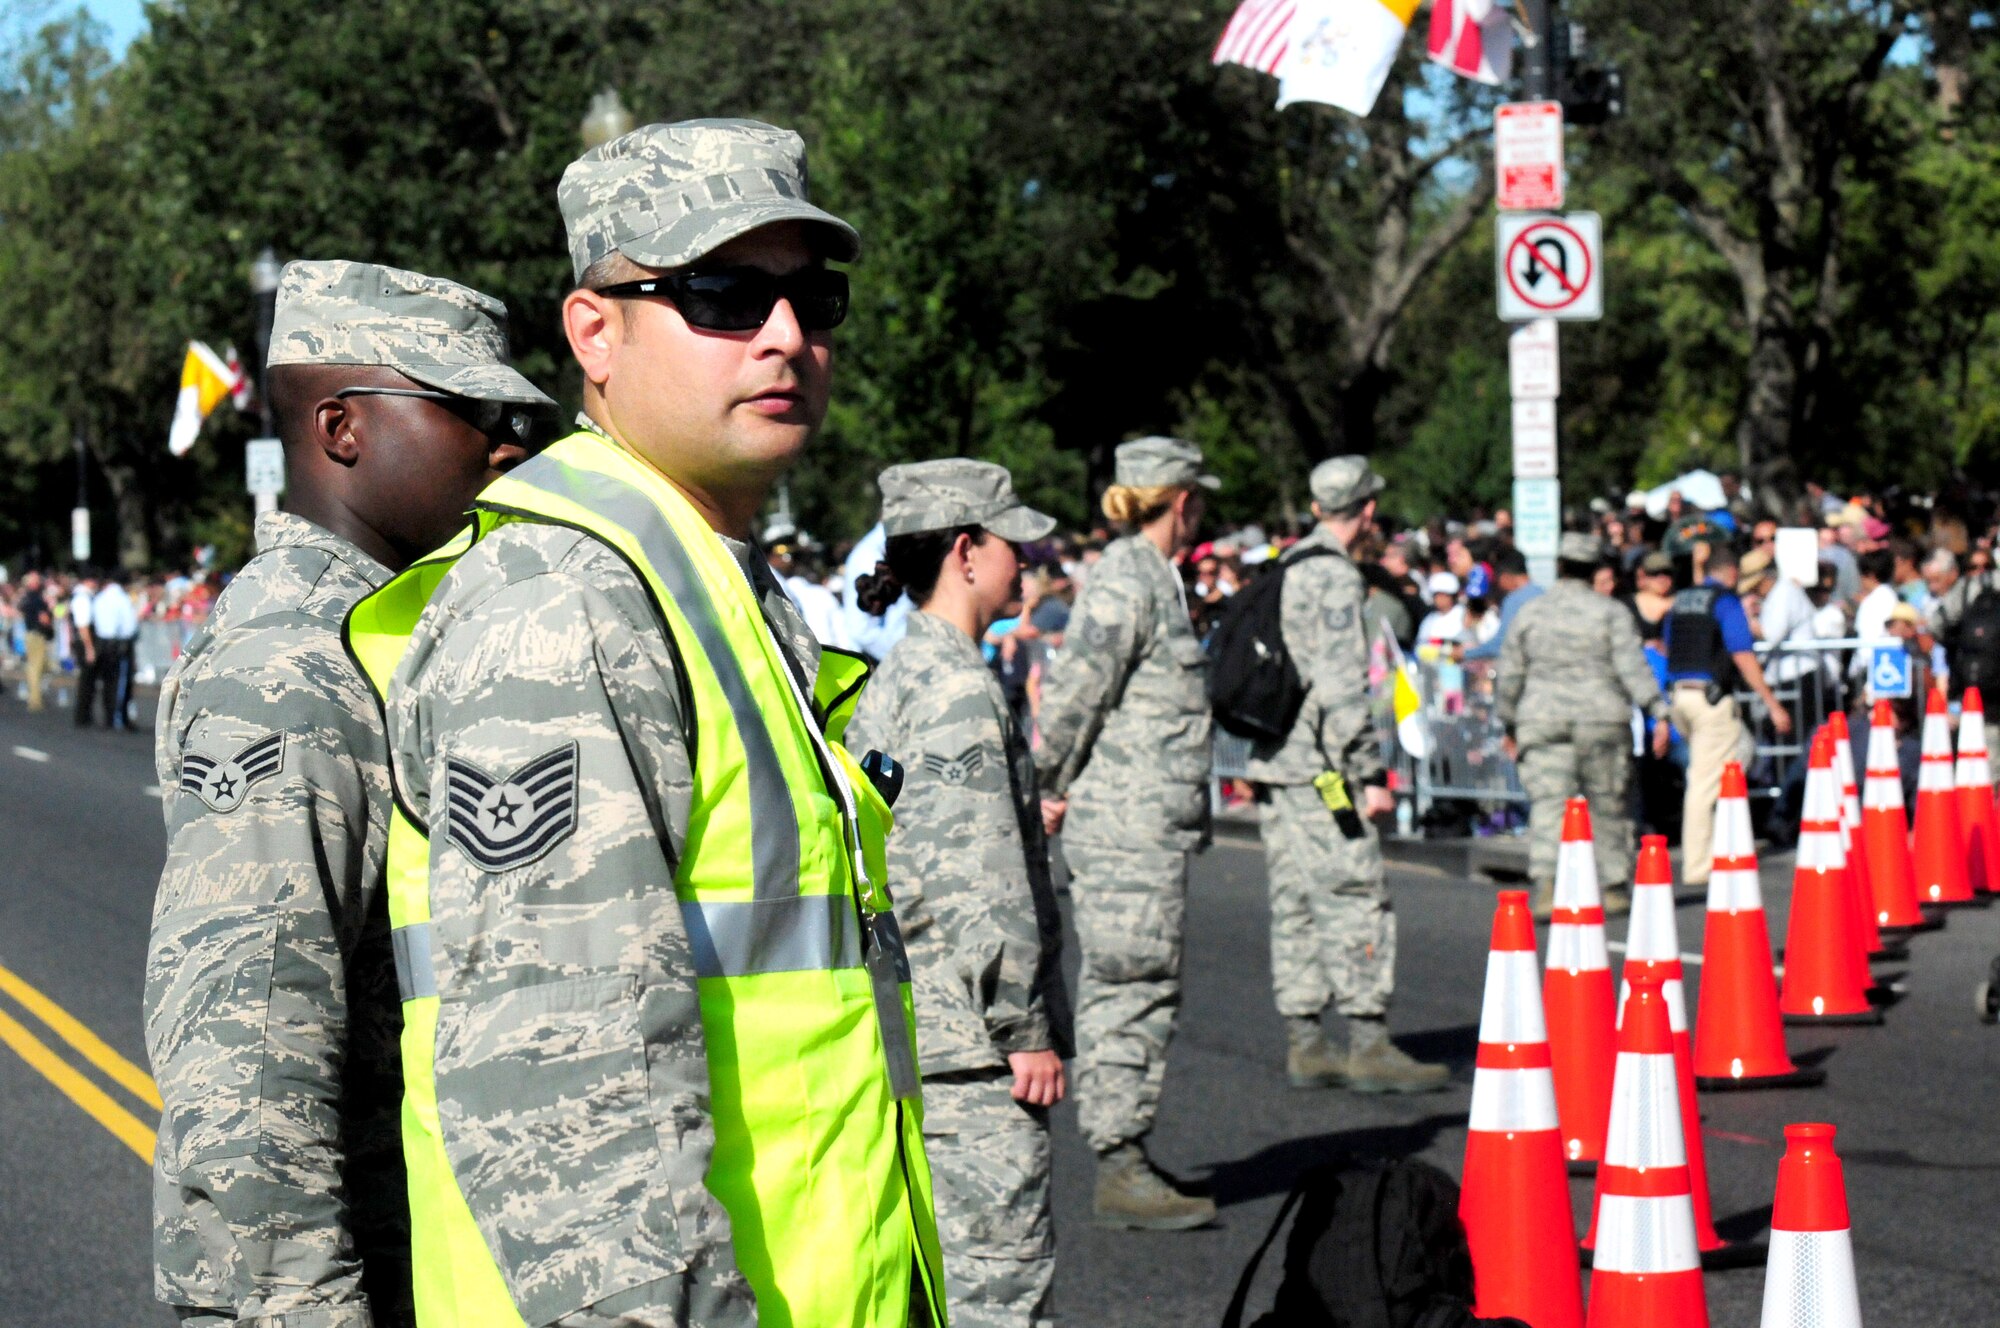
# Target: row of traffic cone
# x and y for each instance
(1647, 1214)
(1557, 1085)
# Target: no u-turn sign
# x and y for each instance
(1550, 266)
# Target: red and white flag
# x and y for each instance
(1258, 35)
(1472, 38)
(243, 396)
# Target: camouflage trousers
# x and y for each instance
(990, 1166)
(1129, 904)
(1333, 934)
(1559, 760)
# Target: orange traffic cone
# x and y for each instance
(1515, 1200)
(1739, 1040)
(1654, 938)
(1647, 1269)
(1826, 971)
(1940, 854)
(1809, 1280)
(1576, 992)
(1885, 832)
(1858, 886)
(1978, 820)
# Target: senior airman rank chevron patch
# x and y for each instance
(222, 785)
(506, 823)
(956, 770)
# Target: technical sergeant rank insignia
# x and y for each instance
(506, 823)
(222, 785)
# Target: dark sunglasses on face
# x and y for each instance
(740, 299)
(489, 417)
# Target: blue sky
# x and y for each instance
(125, 19)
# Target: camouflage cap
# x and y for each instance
(1577, 547)
(940, 495)
(1161, 463)
(665, 194)
(437, 332)
(1343, 481)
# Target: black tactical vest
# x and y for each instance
(1694, 637)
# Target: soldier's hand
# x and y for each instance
(1377, 801)
(1053, 811)
(1512, 748)
(1038, 1077)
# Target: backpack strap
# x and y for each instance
(1233, 1316)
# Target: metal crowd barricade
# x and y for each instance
(158, 645)
(1810, 679)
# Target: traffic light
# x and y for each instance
(1590, 93)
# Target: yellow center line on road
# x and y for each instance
(90, 1046)
(129, 1130)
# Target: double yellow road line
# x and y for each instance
(78, 1087)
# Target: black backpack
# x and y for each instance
(1376, 1245)
(1253, 685)
(1975, 655)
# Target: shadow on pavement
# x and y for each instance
(1458, 1046)
(1747, 1225)
(1275, 1170)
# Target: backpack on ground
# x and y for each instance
(1253, 686)
(1376, 1245)
(1975, 652)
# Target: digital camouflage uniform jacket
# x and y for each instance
(1322, 614)
(271, 1007)
(572, 1074)
(968, 861)
(1574, 655)
(1125, 721)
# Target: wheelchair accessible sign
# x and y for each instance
(1889, 676)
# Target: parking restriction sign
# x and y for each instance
(1550, 266)
(1528, 156)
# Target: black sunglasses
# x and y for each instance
(740, 299)
(489, 417)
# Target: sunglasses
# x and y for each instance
(489, 417)
(740, 299)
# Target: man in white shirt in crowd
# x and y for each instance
(112, 625)
(1445, 623)
(819, 606)
(1871, 614)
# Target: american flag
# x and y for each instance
(1257, 35)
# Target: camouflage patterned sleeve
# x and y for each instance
(1324, 602)
(267, 760)
(1628, 660)
(1511, 673)
(1102, 644)
(535, 724)
(958, 833)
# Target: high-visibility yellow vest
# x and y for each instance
(805, 998)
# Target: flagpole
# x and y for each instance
(1537, 70)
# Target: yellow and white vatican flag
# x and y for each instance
(1339, 51)
(206, 379)
(1413, 727)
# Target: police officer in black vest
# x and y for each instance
(1709, 649)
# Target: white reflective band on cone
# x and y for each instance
(1734, 891)
(1513, 1100)
(1820, 850)
(1877, 793)
(1637, 1135)
(1578, 949)
(1809, 1281)
(1646, 1235)
(1512, 1008)
(1651, 935)
(1576, 875)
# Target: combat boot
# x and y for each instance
(1543, 907)
(1617, 900)
(1309, 1061)
(1377, 1065)
(1131, 1193)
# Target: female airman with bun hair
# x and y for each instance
(969, 865)
(1125, 743)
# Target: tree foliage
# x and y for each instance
(1076, 230)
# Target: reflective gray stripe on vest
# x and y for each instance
(774, 828)
(736, 938)
(412, 944)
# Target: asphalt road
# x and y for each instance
(80, 846)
